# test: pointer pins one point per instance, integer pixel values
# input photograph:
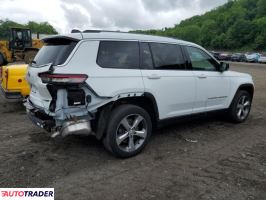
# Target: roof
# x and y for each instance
(120, 36)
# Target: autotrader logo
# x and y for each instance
(26, 193)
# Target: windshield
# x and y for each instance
(55, 52)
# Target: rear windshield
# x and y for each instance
(55, 52)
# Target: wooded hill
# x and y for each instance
(43, 27)
(239, 24)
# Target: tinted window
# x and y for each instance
(167, 56)
(201, 60)
(56, 52)
(116, 54)
(146, 57)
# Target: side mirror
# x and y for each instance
(224, 66)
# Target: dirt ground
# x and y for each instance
(207, 158)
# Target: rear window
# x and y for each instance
(118, 54)
(54, 51)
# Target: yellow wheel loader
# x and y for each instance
(19, 47)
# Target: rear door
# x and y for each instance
(212, 86)
(116, 71)
(165, 76)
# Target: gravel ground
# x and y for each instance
(206, 158)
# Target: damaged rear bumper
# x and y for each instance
(48, 123)
(39, 117)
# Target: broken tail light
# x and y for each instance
(63, 78)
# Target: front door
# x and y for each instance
(213, 86)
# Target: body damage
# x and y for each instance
(62, 115)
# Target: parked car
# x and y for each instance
(14, 85)
(215, 55)
(224, 56)
(238, 57)
(120, 87)
(253, 57)
(262, 59)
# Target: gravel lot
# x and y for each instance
(206, 158)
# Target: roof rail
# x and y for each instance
(75, 31)
(99, 31)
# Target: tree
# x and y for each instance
(261, 5)
(43, 27)
(238, 24)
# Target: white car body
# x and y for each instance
(262, 59)
(174, 92)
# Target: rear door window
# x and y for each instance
(54, 51)
(118, 54)
(167, 56)
(146, 56)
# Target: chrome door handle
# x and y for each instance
(202, 76)
(154, 76)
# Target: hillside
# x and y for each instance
(239, 24)
(43, 27)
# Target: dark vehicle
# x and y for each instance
(224, 56)
(238, 57)
(215, 54)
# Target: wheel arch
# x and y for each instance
(247, 87)
(146, 101)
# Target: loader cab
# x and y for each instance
(20, 38)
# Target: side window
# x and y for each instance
(167, 56)
(146, 57)
(201, 60)
(118, 54)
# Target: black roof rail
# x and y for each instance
(99, 31)
(75, 31)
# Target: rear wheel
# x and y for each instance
(240, 107)
(128, 131)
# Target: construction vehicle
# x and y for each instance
(19, 47)
(13, 83)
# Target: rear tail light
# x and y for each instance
(63, 78)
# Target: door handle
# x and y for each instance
(154, 76)
(202, 76)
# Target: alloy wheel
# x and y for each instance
(131, 132)
(243, 107)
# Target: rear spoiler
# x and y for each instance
(64, 38)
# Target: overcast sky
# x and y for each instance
(123, 15)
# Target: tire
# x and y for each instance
(240, 107)
(2, 60)
(135, 138)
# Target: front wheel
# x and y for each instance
(128, 131)
(240, 107)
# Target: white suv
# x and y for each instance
(120, 86)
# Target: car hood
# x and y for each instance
(239, 74)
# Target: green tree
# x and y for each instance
(261, 5)
(43, 27)
(238, 24)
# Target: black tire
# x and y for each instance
(234, 109)
(114, 126)
(2, 60)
